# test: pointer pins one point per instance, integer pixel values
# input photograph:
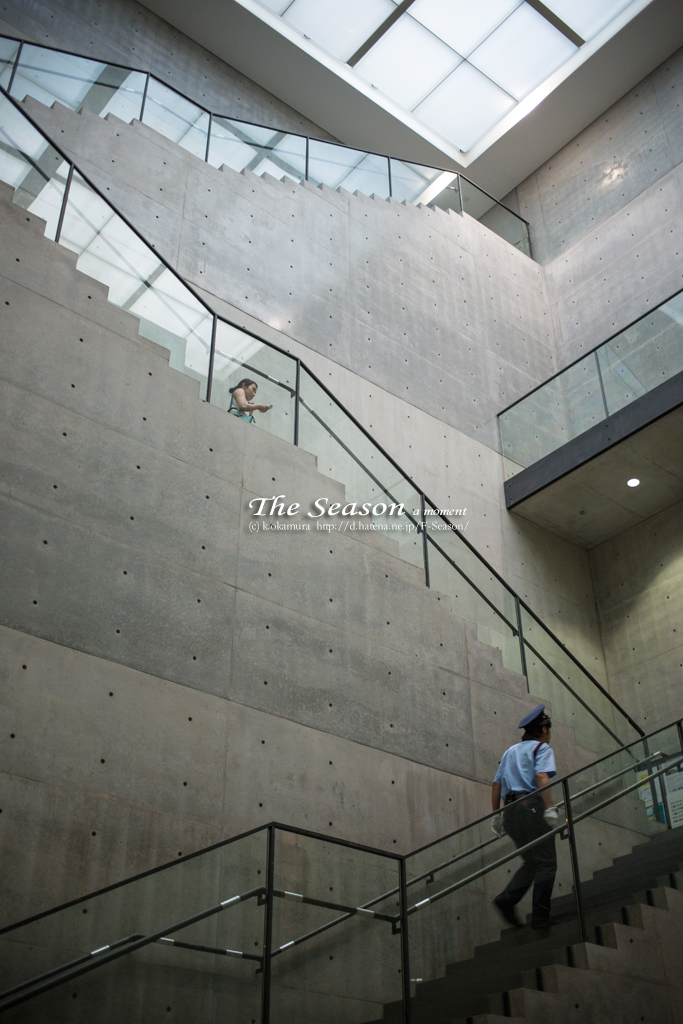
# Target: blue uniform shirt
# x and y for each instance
(518, 767)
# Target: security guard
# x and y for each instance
(524, 769)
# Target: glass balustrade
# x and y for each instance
(611, 377)
(82, 83)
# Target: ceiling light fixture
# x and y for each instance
(633, 482)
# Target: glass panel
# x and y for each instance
(78, 83)
(623, 842)
(109, 251)
(31, 166)
(195, 983)
(574, 698)
(350, 971)
(176, 118)
(495, 216)
(463, 954)
(643, 356)
(376, 487)
(475, 593)
(351, 169)
(8, 51)
(448, 199)
(522, 52)
(460, 23)
(464, 107)
(239, 357)
(407, 62)
(564, 408)
(409, 181)
(340, 26)
(260, 150)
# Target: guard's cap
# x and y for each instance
(532, 716)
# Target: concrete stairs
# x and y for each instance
(634, 916)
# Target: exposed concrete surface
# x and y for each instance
(606, 214)
(638, 578)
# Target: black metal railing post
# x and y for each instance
(65, 200)
(208, 137)
(575, 860)
(425, 548)
(520, 634)
(297, 392)
(405, 943)
(389, 170)
(144, 98)
(268, 928)
(602, 385)
(462, 205)
(16, 65)
(209, 376)
(308, 142)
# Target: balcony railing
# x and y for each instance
(626, 367)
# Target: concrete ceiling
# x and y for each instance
(319, 87)
(594, 503)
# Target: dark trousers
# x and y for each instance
(524, 822)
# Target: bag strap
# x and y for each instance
(537, 748)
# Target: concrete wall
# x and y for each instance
(638, 578)
(606, 214)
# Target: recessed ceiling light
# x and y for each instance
(633, 482)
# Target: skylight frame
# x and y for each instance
(412, 122)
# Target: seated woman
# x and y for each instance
(242, 400)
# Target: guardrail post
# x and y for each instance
(405, 945)
(16, 65)
(144, 99)
(462, 205)
(307, 148)
(208, 137)
(296, 401)
(65, 200)
(268, 928)
(602, 385)
(425, 549)
(520, 634)
(389, 169)
(209, 376)
(575, 860)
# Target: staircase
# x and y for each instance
(634, 915)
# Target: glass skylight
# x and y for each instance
(465, 106)
(408, 62)
(339, 26)
(458, 66)
(522, 52)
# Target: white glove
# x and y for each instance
(497, 826)
(551, 817)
